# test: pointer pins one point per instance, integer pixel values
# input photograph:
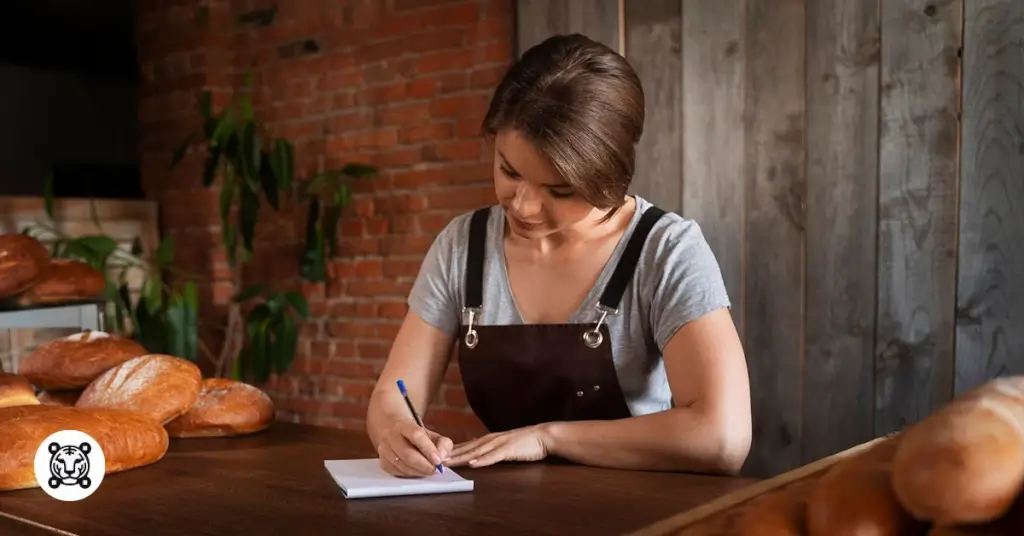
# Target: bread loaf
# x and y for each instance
(1011, 524)
(964, 464)
(855, 497)
(128, 439)
(60, 398)
(162, 387)
(224, 408)
(73, 362)
(64, 280)
(15, 390)
(22, 261)
(781, 512)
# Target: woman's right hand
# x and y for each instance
(405, 449)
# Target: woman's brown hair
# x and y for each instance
(580, 104)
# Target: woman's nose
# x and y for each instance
(527, 201)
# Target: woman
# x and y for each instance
(590, 325)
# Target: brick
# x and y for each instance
(402, 85)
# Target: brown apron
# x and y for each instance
(521, 375)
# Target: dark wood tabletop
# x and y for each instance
(275, 483)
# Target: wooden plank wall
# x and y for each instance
(858, 168)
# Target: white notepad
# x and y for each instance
(364, 478)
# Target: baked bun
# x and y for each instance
(964, 464)
(225, 408)
(73, 362)
(60, 398)
(64, 280)
(128, 439)
(1011, 524)
(782, 512)
(855, 497)
(22, 260)
(15, 390)
(158, 386)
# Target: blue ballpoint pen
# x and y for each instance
(405, 395)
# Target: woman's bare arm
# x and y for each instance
(418, 357)
(710, 428)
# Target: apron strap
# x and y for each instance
(623, 273)
(475, 255)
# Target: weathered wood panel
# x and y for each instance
(990, 301)
(653, 46)
(842, 154)
(713, 81)
(539, 19)
(917, 210)
(775, 155)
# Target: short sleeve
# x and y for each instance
(687, 280)
(433, 294)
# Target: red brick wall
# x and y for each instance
(402, 84)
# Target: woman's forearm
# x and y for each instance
(680, 439)
(384, 409)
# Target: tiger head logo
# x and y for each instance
(69, 465)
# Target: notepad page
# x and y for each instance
(365, 478)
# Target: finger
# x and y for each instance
(391, 462)
(444, 447)
(479, 450)
(461, 448)
(490, 458)
(413, 457)
(419, 438)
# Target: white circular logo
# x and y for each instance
(69, 465)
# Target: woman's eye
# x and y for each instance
(508, 172)
(561, 194)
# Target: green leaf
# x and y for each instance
(165, 252)
(179, 152)
(183, 328)
(286, 339)
(247, 217)
(223, 129)
(137, 248)
(92, 249)
(313, 265)
(358, 170)
(298, 303)
(210, 165)
(48, 195)
(249, 292)
(204, 104)
(330, 229)
(269, 182)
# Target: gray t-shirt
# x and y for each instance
(676, 281)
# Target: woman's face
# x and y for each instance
(536, 200)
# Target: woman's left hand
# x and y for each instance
(519, 445)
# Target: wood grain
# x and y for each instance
(713, 135)
(257, 485)
(775, 152)
(536, 20)
(842, 154)
(653, 47)
(917, 210)
(990, 298)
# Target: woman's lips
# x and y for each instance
(522, 224)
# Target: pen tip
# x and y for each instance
(401, 386)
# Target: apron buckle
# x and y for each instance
(470, 313)
(593, 337)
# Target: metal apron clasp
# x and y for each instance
(593, 337)
(471, 313)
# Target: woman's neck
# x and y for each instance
(590, 229)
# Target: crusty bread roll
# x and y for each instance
(60, 398)
(855, 497)
(73, 362)
(15, 390)
(782, 512)
(1011, 524)
(964, 464)
(161, 387)
(64, 280)
(22, 261)
(128, 439)
(225, 408)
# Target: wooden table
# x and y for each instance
(275, 483)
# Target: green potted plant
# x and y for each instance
(253, 171)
